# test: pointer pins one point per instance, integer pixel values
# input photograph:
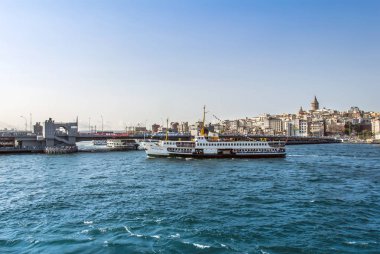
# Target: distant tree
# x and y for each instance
(366, 134)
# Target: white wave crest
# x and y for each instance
(200, 246)
(130, 232)
(127, 229)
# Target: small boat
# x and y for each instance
(121, 144)
(213, 147)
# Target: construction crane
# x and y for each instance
(220, 123)
(217, 118)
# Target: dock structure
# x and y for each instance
(59, 137)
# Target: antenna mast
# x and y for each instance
(167, 129)
(203, 122)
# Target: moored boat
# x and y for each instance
(121, 144)
(144, 143)
(100, 142)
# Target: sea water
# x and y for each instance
(319, 199)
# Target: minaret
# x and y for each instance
(314, 104)
(301, 111)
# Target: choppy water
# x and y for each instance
(320, 199)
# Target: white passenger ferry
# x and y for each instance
(144, 143)
(204, 147)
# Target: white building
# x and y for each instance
(273, 125)
(301, 127)
(376, 128)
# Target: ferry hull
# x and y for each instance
(220, 156)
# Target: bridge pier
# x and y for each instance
(60, 137)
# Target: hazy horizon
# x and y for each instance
(143, 61)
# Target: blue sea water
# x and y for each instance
(319, 199)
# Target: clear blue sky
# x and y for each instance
(137, 61)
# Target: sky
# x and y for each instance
(140, 62)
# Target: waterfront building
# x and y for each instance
(38, 129)
(317, 128)
(218, 128)
(376, 128)
(301, 127)
(334, 126)
(273, 125)
(183, 127)
(174, 126)
(155, 128)
(140, 130)
(289, 128)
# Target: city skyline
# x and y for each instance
(96, 125)
(136, 62)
